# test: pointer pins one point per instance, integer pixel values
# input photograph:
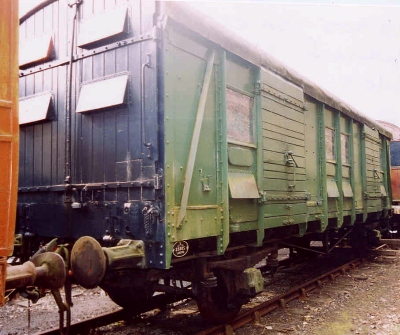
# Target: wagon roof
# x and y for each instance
(392, 128)
(205, 26)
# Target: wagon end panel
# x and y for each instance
(8, 132)
(192, 137)
(90, 154)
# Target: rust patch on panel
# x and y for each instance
(395, 177)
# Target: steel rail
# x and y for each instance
(280, 301)
(391, 242)
(84, 327)
(242, 319)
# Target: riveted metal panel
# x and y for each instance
(192, 139)
(285, 90)
(283, 134)
(109, 156)
(243, 211)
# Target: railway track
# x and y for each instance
(84, 327)
(247, 316)
(300, 292)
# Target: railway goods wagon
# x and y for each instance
(165, 149)
(8, 132)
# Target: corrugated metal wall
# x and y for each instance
(113, 149)
(99, 139)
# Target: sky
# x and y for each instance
(349, 48)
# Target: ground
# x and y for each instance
(364, 301)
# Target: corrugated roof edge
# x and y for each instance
(207, 27)
(391, 128)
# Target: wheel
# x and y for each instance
(127, 291)
(359, 241)
(132, 299)
(214, 303)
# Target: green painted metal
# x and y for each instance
(195, 139)
(243, 210)
(358, 186)
(243, 226)
(321, 177)
(240, 156)
(185, 67)
(364, 173)
(284, 153)
(213, 180)
(311, 144)
(385, 168)
(375, 190)
(242, 186)
(240, 81)
(339, 180)
(273, 84)
(260, 163)
(332, 189)
(223, 238)
(352, 170)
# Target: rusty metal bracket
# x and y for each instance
(376, 174)
(241, 263)
(63, 307)
(290, 161)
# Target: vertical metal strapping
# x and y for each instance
(145, 65)
(223, 240)
(68, 111)
(260, 161)
(321, 154)
(160, 168)
(364, 173)
(386, 168)
(352, 172)
(338, 176)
